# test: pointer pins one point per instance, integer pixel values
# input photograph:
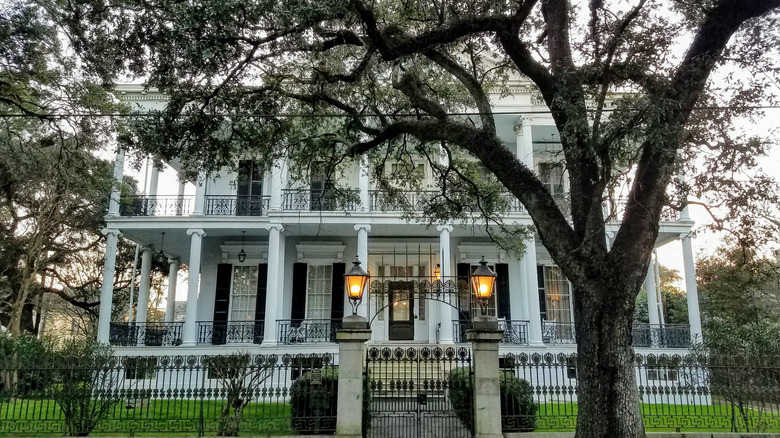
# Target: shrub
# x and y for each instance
(23, 366)
(518, 410)
(313, 408)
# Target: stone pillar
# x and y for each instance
(364, 181)
(200, 194)
(691, 291)
(190, 329)
(173, 275)
(277, 184)
(532, 285)
(652, 297)
(362, 254)
(119, 168)
(275, 282)
(107, 288)
(446, 312)
(484, 338)
(352, 341)
(144, 285)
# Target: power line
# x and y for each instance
(362, 115)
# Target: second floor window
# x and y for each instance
(249, 188)
(551, 175)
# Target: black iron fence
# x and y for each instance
(677, 392)
(130, 334)
(308, 330)
(233, 205)
(230, 332)
(662, 336)
(145, 205)
(320, 200)
(181, 395)
(515, 331)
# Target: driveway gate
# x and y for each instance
(411, 388)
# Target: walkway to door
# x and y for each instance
(410, 389)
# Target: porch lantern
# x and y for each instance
(437, 272)
(355, 282)
(483, 281)
(242, 253)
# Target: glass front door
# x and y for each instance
(401, 311)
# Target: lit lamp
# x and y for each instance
(437, 272)
(483, 281)
(355, 282)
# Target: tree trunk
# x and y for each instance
(608, 398)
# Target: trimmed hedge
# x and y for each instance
(313, 407)
(518, 410)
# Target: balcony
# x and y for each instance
(308, 330)
(558, 332)
(616, 208)
(131, 334)
(230, 332)
(515, 331)
(142, 205)
(233, 205)
(380, 200)
(320, 200)
(662, 335)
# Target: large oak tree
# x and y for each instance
(628, 84)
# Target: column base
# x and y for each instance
(537, 344)
(189, 343)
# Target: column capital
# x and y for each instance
(174, 260)
(199, 231)
(447, 228)
(366, 227)
(146, 248)
(277, 227)
(114, 231)
(689, 235)
(521, 122)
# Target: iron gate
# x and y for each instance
(423, 392)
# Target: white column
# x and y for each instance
(119, 168)
(200, 193)
(275, 282)
(518, 291)
(652, 297)
(363, 184)
(532, 285)
(173, 275)
(182, 186)
(107, 288)
(277, 184)
(525, 146)
(657, 273)
(154, 180)
(362, 254)
(691, 291)
(190, 329)
(144, 285)
(446, 312)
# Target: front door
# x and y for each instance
(401, 311)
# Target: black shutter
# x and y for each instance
(337, 303)
(262, 287)
(502, 290)
(542, 292)
(463, 271)
(298, 312)
(221, 304)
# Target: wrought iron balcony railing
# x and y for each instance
(616, 208)
(558, 332)
(662, 335)
(308, 330)
(320, 200)
(130, 334)
(233, 205)
(142, 205)
(515, 331)
(380, 200)
(230, 332)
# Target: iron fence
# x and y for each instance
(230, 332)
(662, 335)
(150, 205)
(209, 395)
(308, 330)
(515, 331)
(320, 200)
(558, 332)
(234, 205)
(130, 334)
(677, 392)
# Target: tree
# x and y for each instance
(395, 75)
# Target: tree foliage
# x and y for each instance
(674, 301)
(629, 87)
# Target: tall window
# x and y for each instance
(242, 300)
(557, 295)
(320, 186)
(551, 175)
(319, 291)
(250, 188)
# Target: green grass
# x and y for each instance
(176, 417)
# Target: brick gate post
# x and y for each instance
(352, 341)
(484, 337)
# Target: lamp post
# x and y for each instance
(355, 282)
(483, 282)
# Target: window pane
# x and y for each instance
(244, 293)
(319, 291)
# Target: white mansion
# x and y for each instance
(267, 255)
